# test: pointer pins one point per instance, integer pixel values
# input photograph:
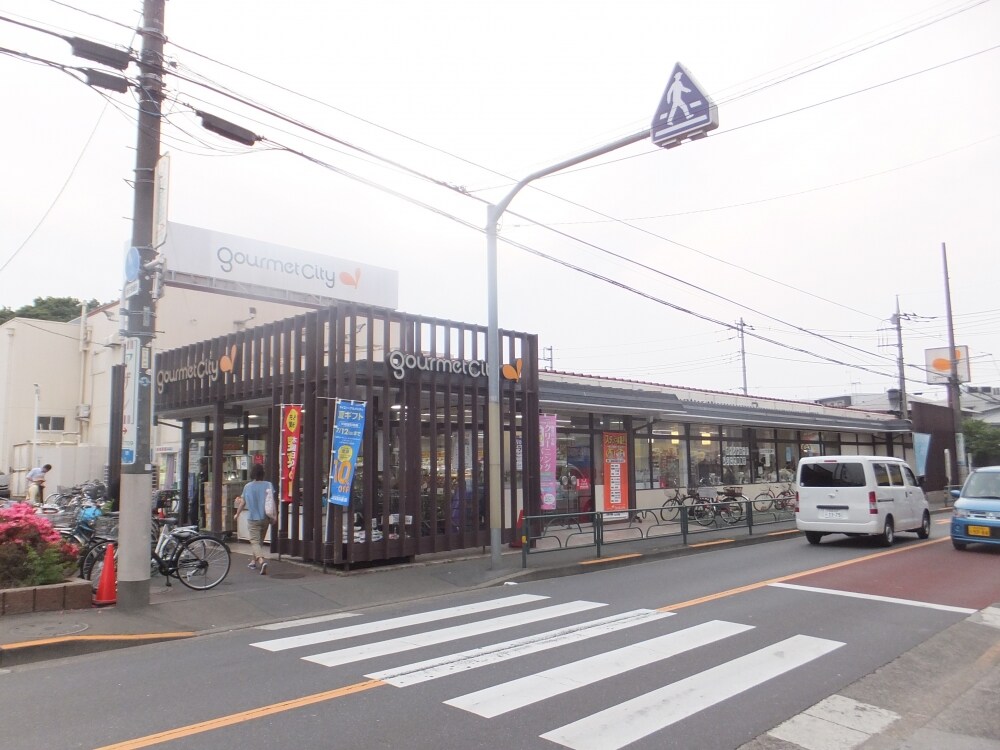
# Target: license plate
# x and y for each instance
(978, 530)
(830, 514)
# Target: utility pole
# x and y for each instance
(743, 354)
(140, 309)
(954, 399)
(897, 320)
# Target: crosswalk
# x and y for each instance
(614, 726)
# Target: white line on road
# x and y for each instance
(432, 669)
(430, 638)
(325, 636)
(306, 621)
(524, 691)
(634, 719)
(876, 598)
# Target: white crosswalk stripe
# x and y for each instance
(613, 727)
(432, 669)
(408, 643)
(421, 618)
(632, 720)
(533, 688)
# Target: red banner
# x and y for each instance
(615, 471)
(291, 439)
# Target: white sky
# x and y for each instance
(817, 218)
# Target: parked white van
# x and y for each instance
(859, 495)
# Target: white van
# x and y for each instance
(859, 495)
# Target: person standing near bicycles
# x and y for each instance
(253, 497)
(36, 484)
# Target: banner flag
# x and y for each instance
(348, 428)
(291, 438)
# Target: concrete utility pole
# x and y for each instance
(897, 321)
(743, 355)
(954, 398)
(140, 309)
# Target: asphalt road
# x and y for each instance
(707, 651)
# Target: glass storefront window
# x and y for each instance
(643, 478)
(766, 462)
(609, 423)
(668, 462)
(764, 434)
(706, 464)
(736, 462)
(573, 471)
(572, 421)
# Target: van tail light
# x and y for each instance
(796, 501)
(872, 504)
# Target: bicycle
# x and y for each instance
(782, 500)
(730, 509)
(199, 561)
(673, 503)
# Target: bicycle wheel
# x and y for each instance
(731, 512)
(201, 562)
(763, 502)
(785, 501)
(703, 513)
(670, 510)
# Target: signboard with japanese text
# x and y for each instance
(348, 429)
(130, 406)
(547, 459)
(615, 471)
(291, 437)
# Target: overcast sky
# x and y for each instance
(856, 136)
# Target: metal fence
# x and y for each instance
(555, 532)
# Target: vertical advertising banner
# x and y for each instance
(345, 444)
(547, 459)
(130, 405)
(615, 471)
(291, 436)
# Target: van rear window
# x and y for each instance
(846, 474)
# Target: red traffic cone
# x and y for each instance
(107, 587)
(516, 540)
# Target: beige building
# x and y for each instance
(58, 376)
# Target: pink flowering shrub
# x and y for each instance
(31, 552)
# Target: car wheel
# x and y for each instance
(958, 545)
(813, 537)
(888, 535)
(925, 526)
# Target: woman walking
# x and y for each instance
(254, 496)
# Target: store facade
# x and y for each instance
(420, 484)
(570, 443)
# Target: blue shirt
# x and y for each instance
(253, 495)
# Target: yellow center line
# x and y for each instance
(93, 638)
(712, 543)
(609, 559)
(781, 533)
(237, 718)
(792, 576)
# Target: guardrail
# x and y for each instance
(554, 532)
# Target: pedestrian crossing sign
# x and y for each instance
(685, 111)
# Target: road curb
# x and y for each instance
(29, 652)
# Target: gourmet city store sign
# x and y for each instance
(401, 363)
(273, 270)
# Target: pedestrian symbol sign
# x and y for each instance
(685, 111)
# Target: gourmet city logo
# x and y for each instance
(401, 363)
(204, 368)
(230, 260)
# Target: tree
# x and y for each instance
(982, 440)
(62, 309)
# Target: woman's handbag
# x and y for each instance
(270, 509)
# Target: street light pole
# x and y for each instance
(493, 347)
